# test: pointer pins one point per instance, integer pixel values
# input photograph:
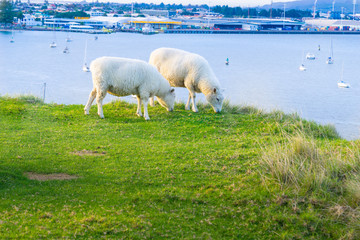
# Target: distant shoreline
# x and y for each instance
(193, 31)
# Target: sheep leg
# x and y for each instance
(99, 99)
(138, 111)
(187, 106)
(152, 101)
(92, 96)
(193, 96)
(145, 103)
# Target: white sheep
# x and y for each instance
(123, 77)
(185, 69)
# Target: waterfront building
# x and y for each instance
(334, 24)
(29, 20)
(66, 23)
(114, 22)
(157, 13)
(95, 13)
(255, 24)
(156, 23)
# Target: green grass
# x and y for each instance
(181, 175)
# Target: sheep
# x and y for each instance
(122, 77)
(185, 69)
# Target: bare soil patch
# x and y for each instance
(47, 177)
(85, 152)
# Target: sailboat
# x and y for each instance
(66, 50)
(330, 59)
(53, 43)
(227, 61)
(342, 83)
(310, 56)
(302, 66)
(68, 38)
(85, 67)
(12, 36)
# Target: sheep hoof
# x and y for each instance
(139, 114)
(194, 110)
(147, 119)
(187, 107)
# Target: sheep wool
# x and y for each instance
(123, 77)
(189, 70)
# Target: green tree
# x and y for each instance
(6, 12)
(19, 15)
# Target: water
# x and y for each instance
(263, 70)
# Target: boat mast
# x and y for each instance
(208, 16)
(85, 52)
(354, 2)
(331, 50)
(284, 18)
(315, 8)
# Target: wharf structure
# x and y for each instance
(333, 24)
(203, 25)
(113, 22)
(259, 24)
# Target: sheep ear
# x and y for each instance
(214, 90)
(172, 90)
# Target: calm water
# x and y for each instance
(263, 69)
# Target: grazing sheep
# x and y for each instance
(122, 77)
(184, 69)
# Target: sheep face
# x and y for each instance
(215, 98)
(168, 100)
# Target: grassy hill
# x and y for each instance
(241, 174)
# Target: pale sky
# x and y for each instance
(232, 3)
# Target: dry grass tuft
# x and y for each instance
(300, 163)
(47, 177)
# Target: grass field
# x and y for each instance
(241, 174)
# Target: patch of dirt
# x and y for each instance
(47, 177)
(85, 152)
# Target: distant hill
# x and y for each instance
(323, 5)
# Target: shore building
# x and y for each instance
(29, 20)
(156, 13)
(253, 24)
(333, 24)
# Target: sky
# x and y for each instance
(232, 3)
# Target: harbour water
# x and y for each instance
(263, 70)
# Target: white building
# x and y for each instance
(29, 20)
(95, 13)
(157, 13)
(328, 23)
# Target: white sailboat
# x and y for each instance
(68, 38)
(53, 43)
(342, 83)
(302, 66)
(85, 67)
(66, 50)
(310, 56)
(330, 59)
(12, 36)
